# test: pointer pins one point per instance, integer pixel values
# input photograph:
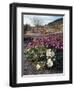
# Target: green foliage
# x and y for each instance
(36, 54)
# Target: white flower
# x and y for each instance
(35, 55)
(28, 49)
(48, 52)
(54, 59)
(49, 63)
(49, 60)
(38, 66)
(52, 54)
(32, 51)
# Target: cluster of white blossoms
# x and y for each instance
(49, 63)
(50, 53)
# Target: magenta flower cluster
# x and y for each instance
(52, 40)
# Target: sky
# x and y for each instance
(27, 19)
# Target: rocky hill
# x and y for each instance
(56, 26)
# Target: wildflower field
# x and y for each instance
(43, 55)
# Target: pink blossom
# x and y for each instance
(52, 40)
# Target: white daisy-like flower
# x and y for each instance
(52, 53)
(48, 52)
(49, 60)
(38, 66)
(49, 63)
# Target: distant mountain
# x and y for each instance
(56, 26)
(56, 21)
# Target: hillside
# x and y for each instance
(56, 26)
